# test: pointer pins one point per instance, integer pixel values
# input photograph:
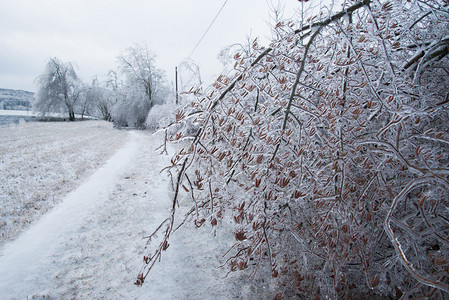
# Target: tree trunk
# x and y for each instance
(71, 115)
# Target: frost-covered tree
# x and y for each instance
(329, 151)
(143, 86)
(138, 64)
(58, 89)
(105, 103)
(189, 75)
(131, 110)
(108, 94)
(92, 101)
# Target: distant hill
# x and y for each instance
(15, 99)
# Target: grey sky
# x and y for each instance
(91, 33)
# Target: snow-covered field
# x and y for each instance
(41, 162)
(102, 191)
(8, 117)
(16, 113)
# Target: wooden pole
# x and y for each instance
(176, 84)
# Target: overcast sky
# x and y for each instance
(92, 33)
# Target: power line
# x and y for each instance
(226, 1)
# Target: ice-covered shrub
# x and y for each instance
(131, 110)
(166, 117)
(330, 151)
(161, 116)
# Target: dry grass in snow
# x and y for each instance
(42, 162)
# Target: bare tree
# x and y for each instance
(94, 101)
(138, 64)
(58, 89)
(190, 74)
(109, 94)
(142, 87)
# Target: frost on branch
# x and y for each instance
(329, 150)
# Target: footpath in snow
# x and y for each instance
(90, 246)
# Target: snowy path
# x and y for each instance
(90, 246)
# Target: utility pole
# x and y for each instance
(176, 84)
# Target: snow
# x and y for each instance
(30, 113)
(90, 246)
(18, 261)
(40, 162)
(16, 113)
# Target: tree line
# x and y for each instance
(125, 98)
